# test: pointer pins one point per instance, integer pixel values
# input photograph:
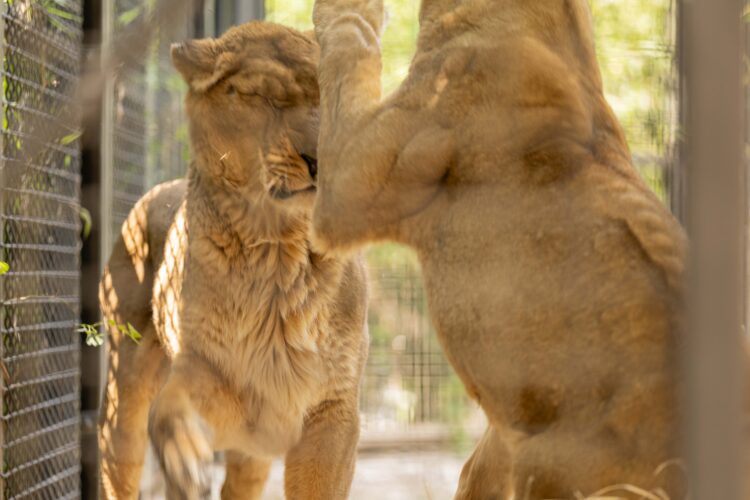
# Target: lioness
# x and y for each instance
(553, 273)
(252, 343)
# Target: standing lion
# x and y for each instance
(553, 273)
(252, 342)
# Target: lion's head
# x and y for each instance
(252, 105)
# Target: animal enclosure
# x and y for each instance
(60, 153)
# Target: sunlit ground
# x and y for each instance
(419, 475)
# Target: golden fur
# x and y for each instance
(553, 272)
(252, 343)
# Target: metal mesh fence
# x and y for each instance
(409, 392)
(39, 239)
(149, 133)
(129, 145)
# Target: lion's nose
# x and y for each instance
(312, 165)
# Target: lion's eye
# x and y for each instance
(231, 90)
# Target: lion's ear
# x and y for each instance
(199, 62)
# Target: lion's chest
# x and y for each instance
(270, 349)
(262, 326)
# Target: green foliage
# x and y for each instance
(129, 16)
(636, 56)
(86, 221)
(70, 138)
(95, 338)
(62, 14)
(294, 13)
(393, 257)
(398, 42)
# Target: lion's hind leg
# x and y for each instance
(134, 376)
(487, 473)
(628, 448)
(135, 371)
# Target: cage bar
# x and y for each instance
(711, 36)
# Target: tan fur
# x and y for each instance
(553, 272)
(252, 343)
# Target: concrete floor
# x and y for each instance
(422, 475)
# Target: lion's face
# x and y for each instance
(253, 110)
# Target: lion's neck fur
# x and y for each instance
(243, 220)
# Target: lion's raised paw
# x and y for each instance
(184, 449)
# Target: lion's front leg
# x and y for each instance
(191, 414)
(135, 374)
(321, 465)
(380, 163)
(350, 65)
(246, 477)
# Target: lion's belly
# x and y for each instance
(540, 315)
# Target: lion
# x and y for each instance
(252, 343)
(553, 273)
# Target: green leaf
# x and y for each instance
(4, 267)
(70, 138)
(86, 220)
(133, 334)
(62, 14)
(129, 15)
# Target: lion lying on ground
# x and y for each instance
(553, 272)
(252, 343)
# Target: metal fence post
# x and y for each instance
(712, 103)
(3, 13)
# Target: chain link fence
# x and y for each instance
(39, 240)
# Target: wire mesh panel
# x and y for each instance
(149, 132)
(129, 123)
(167, 130)
(39, 239)
(409, 391)
(638, 64)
